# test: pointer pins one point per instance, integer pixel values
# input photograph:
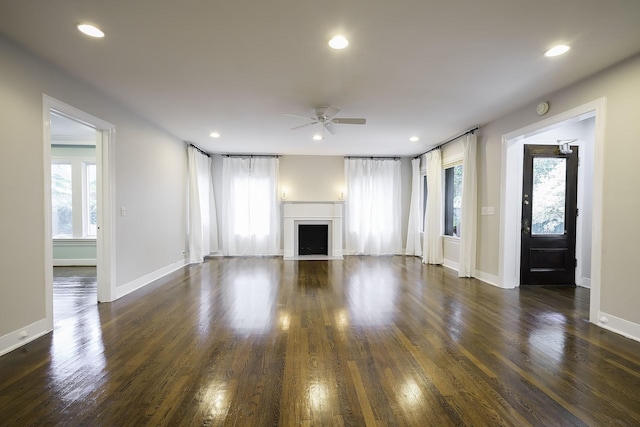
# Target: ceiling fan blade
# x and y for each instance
(327, 111)
(352, 121)
(304, 125)
(298, 115)
(331, 128)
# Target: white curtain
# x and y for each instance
(414, 246)
(203, 223)
(469, 215)
(251, 211)
(373, 212)
(432, 248)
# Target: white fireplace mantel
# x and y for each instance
(296, 213)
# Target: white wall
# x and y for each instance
(150, 182)
(620, 85)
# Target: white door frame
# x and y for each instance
(511, 189)
(105, 194)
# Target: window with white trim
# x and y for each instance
(73, 193)
(452, 200)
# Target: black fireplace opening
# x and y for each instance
(313, 239)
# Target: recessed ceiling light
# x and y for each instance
(91, 30)
(339, 42)
(214, 135)
(318, 137)
(414, 139)
(557, 50)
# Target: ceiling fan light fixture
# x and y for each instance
(414, 139)
(318, 137)
(557, 50)
(338, 42)
(91, 30)
(214, 135)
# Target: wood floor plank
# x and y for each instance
(360, 341)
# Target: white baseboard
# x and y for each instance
(451, 264)
(584, 282)
(74, 262)
(15, 339)
(619, 326)
(488, 278)
(140, 282)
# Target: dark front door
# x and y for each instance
(549, 199)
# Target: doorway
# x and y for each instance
(588, 227)
(73, 215)
(98, 223)
(549, 213)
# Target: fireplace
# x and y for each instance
(313, 239)
(312, 217)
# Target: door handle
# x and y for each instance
(525, 227)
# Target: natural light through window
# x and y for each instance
(73, 193)
(251, 196)
(61, 200)
(453, 200)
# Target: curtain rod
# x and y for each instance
(251, 156)
(199, 149)
(448, 141)
(372, 158)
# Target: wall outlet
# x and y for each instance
(185, 253)
(23, 334)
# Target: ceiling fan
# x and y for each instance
(325, 115)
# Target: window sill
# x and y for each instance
(74, 242)
(454, 239)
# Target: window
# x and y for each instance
(251, 221)
(61, 200)
(452, 200)
(73, 193)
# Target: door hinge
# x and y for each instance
(575, 262)
(577, 211)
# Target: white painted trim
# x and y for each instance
(511, 193)
(584, 282)
(106, 250)
(105, 165)
(140, 282)
(619, 326)
(73, 242)
(451, 264)
(13, 340)
(451, 161)
(70, 262)
(48, 239)
(487, 278)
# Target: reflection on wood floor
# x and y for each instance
(364, 341)
(74, 291)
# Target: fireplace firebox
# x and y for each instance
(313, 239)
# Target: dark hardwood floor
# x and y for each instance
(364, 341)
(74, 291)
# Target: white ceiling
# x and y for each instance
(431, 68)
(70, 132)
